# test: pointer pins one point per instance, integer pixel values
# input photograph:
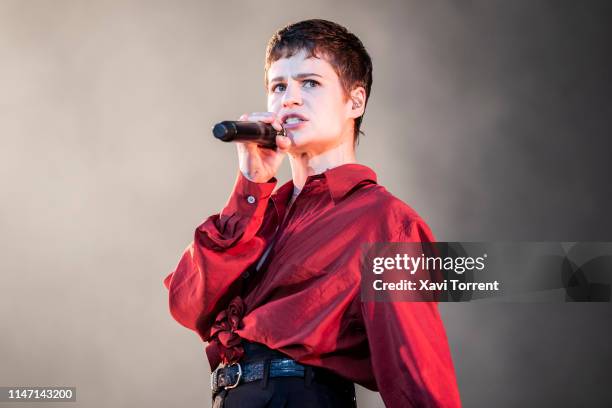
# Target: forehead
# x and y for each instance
(299, 63)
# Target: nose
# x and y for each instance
(292, 95)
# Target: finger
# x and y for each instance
(247, 147)
(252, 148)
(261, 115)
(255, 116)
(283, 143)
(263, 118)
(276, 124)
(242, 147)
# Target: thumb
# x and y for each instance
(283, 143)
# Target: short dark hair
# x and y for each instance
(331, 41)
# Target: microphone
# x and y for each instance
(258, 132)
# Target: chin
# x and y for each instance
(298, 144)
(302, 143)
(299, 138)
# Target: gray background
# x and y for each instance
(490, 118)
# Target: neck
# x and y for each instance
(308, 163)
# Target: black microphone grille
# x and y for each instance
(223, 132)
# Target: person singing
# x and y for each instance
(272, 282)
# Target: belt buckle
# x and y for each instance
(214, 377)
(227, 387)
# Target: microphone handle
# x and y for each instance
(257, 132)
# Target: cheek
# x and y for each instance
(328, 119)
(273, 104)
(327, 125)
(330, 115)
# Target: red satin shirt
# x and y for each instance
(304, 301)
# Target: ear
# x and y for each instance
(357, 101)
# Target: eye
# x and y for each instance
(275, 87)
(312, 83)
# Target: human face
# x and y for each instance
(310, 88)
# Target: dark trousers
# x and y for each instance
(312, 391)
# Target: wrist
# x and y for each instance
(256, 177)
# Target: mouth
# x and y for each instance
(293, 120)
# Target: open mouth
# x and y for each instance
(293, 121)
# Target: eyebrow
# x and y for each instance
(298, 76)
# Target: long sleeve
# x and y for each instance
(409, 349)
(223, 247)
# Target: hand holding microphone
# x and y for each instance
(258, 160)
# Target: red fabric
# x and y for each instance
(305, 300)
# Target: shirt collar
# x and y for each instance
(340, 180)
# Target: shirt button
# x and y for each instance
(251, 199)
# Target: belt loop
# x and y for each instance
(266, 374)
(308, 375)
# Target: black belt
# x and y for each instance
(231, 376)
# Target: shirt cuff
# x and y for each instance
(249, 199)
